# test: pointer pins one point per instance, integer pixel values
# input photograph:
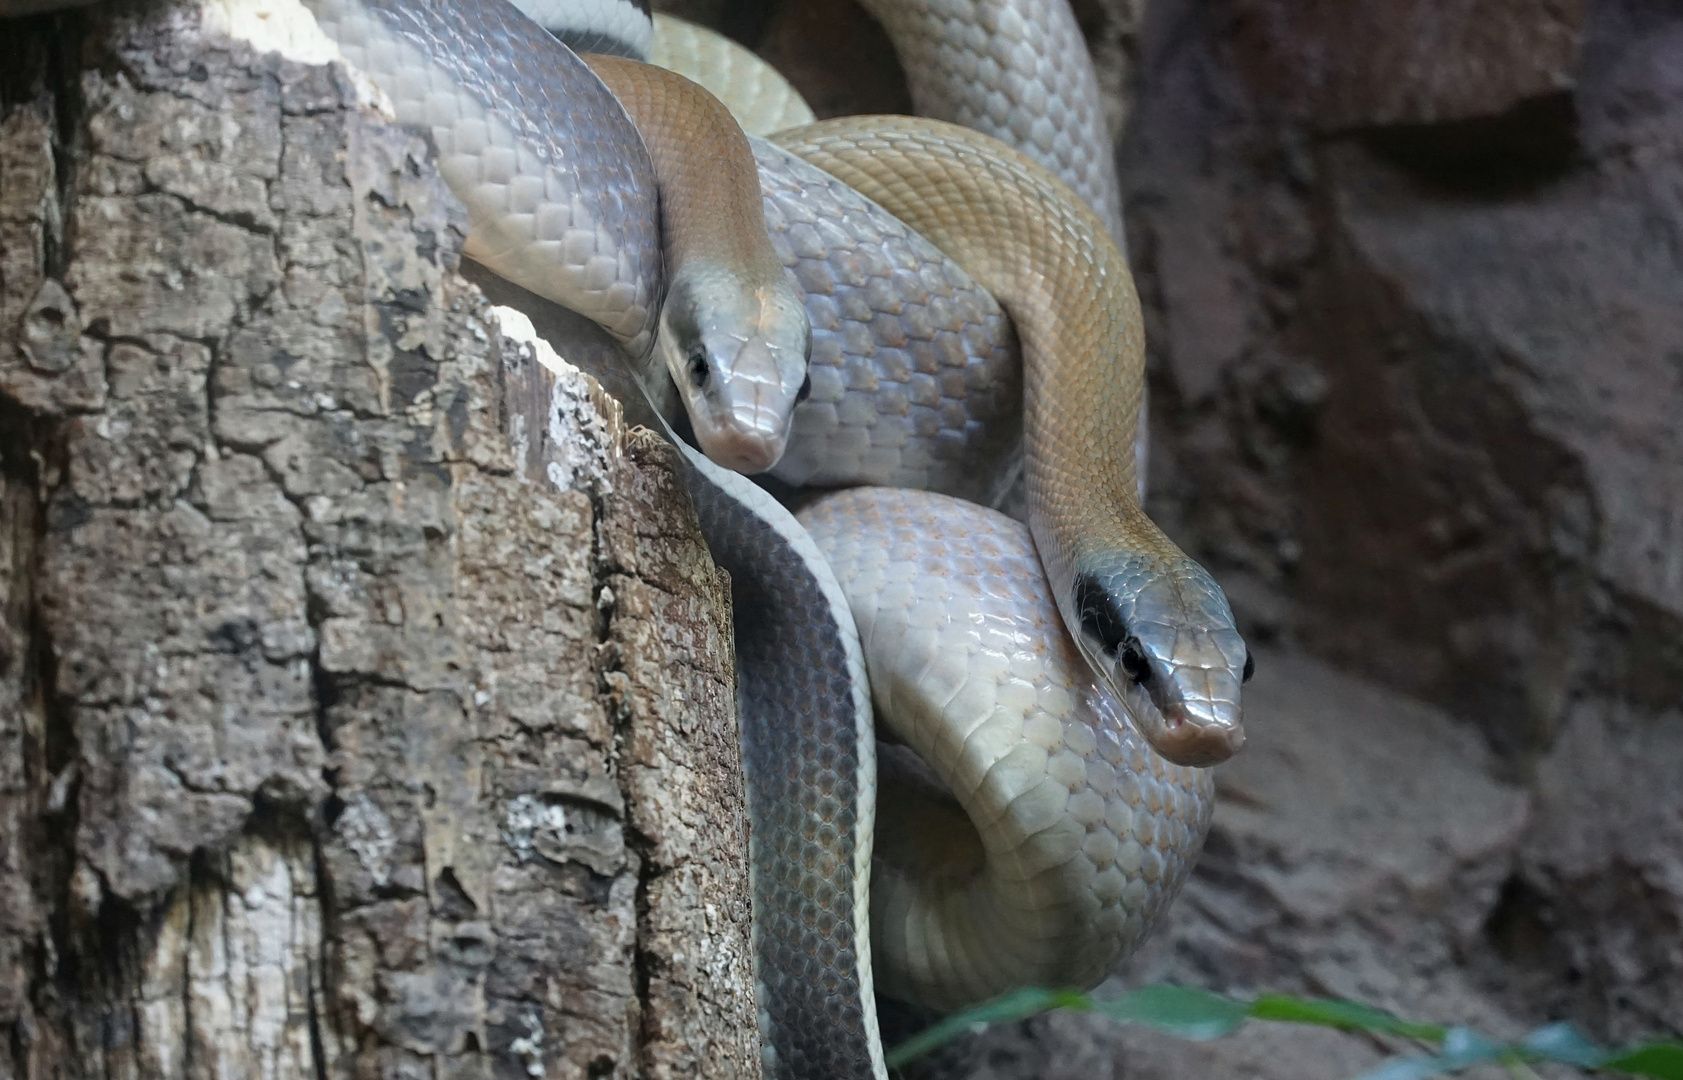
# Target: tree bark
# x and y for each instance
(366, 694)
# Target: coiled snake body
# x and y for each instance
(1047, 833)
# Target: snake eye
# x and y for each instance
(1134, 663)
(1250, 667)
(806, 388)
(698, 367)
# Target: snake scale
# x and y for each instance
(1043, 823)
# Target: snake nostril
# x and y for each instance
(806, 388)
(698, 367)
(1250, 667)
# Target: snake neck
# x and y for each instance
(734, 334)
(1150, 621)
(709, 184)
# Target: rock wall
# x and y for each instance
(1412, 282)
(1413, 326)
(1410, 275)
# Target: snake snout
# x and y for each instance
(1170, 650)
(750, 411)
(749, 441)
(1193, 678)
(1202, 730)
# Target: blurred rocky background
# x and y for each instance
(1413, 276)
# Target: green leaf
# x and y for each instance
(1003, 1009)
(1346, 1015)
(1180, 1010)
(1659, 1059)
(1192, 1013)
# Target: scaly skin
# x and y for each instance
(733, 332)
(1017, 70)
(1153, 623)
(560, 193)
(757, 95)
(916, 375)
(1070, 835)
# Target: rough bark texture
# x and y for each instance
(1411, 274)
(365, 690)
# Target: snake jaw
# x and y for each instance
(1160, 632)
(1199, 720)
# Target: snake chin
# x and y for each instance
(1181, 737)
(746, 452)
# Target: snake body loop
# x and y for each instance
(1042, 787)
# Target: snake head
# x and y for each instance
(1160, 633)
(738, 357)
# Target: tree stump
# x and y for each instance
(366, 689)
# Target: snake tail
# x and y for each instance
(809, 754)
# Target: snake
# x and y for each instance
(1050, 776)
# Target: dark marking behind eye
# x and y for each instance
(1250, 667)
(698, 367)
(1100, 617)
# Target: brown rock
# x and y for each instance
(1336, 65)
